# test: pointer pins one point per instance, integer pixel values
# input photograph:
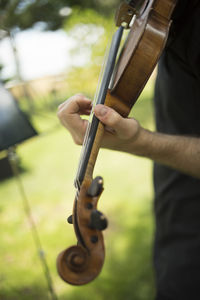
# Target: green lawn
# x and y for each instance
(49, 162)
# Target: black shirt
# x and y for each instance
(177, 196)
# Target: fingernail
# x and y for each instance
(101, 110)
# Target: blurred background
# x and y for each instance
(50, 50)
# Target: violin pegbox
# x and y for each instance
(97, 220)
(90, 220)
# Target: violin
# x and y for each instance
(124, 78)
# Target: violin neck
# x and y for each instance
(92, 139)
(86, 151)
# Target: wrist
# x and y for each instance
(141, 142)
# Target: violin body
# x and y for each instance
(145, 43)
(146, 40)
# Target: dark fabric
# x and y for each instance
(177, 196)
(14, 124)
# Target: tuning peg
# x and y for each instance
(70, 220)
(96, 187)
(98, 220)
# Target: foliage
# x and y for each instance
(18, 15)
(23, 14)
(92, 33)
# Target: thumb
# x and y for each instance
(125, 128)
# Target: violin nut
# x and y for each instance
(124, 24)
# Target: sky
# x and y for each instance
(40, 54)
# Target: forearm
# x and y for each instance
(179, 152)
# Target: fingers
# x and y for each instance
(69, 114)
(125, 128)
(118, 129)
(76, 104)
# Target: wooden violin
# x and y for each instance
(148, 22)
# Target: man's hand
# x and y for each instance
(125, 134)
(118, 131)
(69, 113)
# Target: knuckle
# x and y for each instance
(79, 95)
(78, 140)
(113, 118)
(61, 114)
(131, 129)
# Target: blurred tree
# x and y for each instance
(23, 14)
(17, 15)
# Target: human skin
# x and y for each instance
(125, 134)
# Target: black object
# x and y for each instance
(98, 221)
(14, 124)
(89, 206)
(94, 239)
(5, 168)
(96, 187)
(70, 220)
(177, 195)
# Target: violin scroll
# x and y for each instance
(71, 263)
(81, 264)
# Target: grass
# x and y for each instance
(49, 162)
